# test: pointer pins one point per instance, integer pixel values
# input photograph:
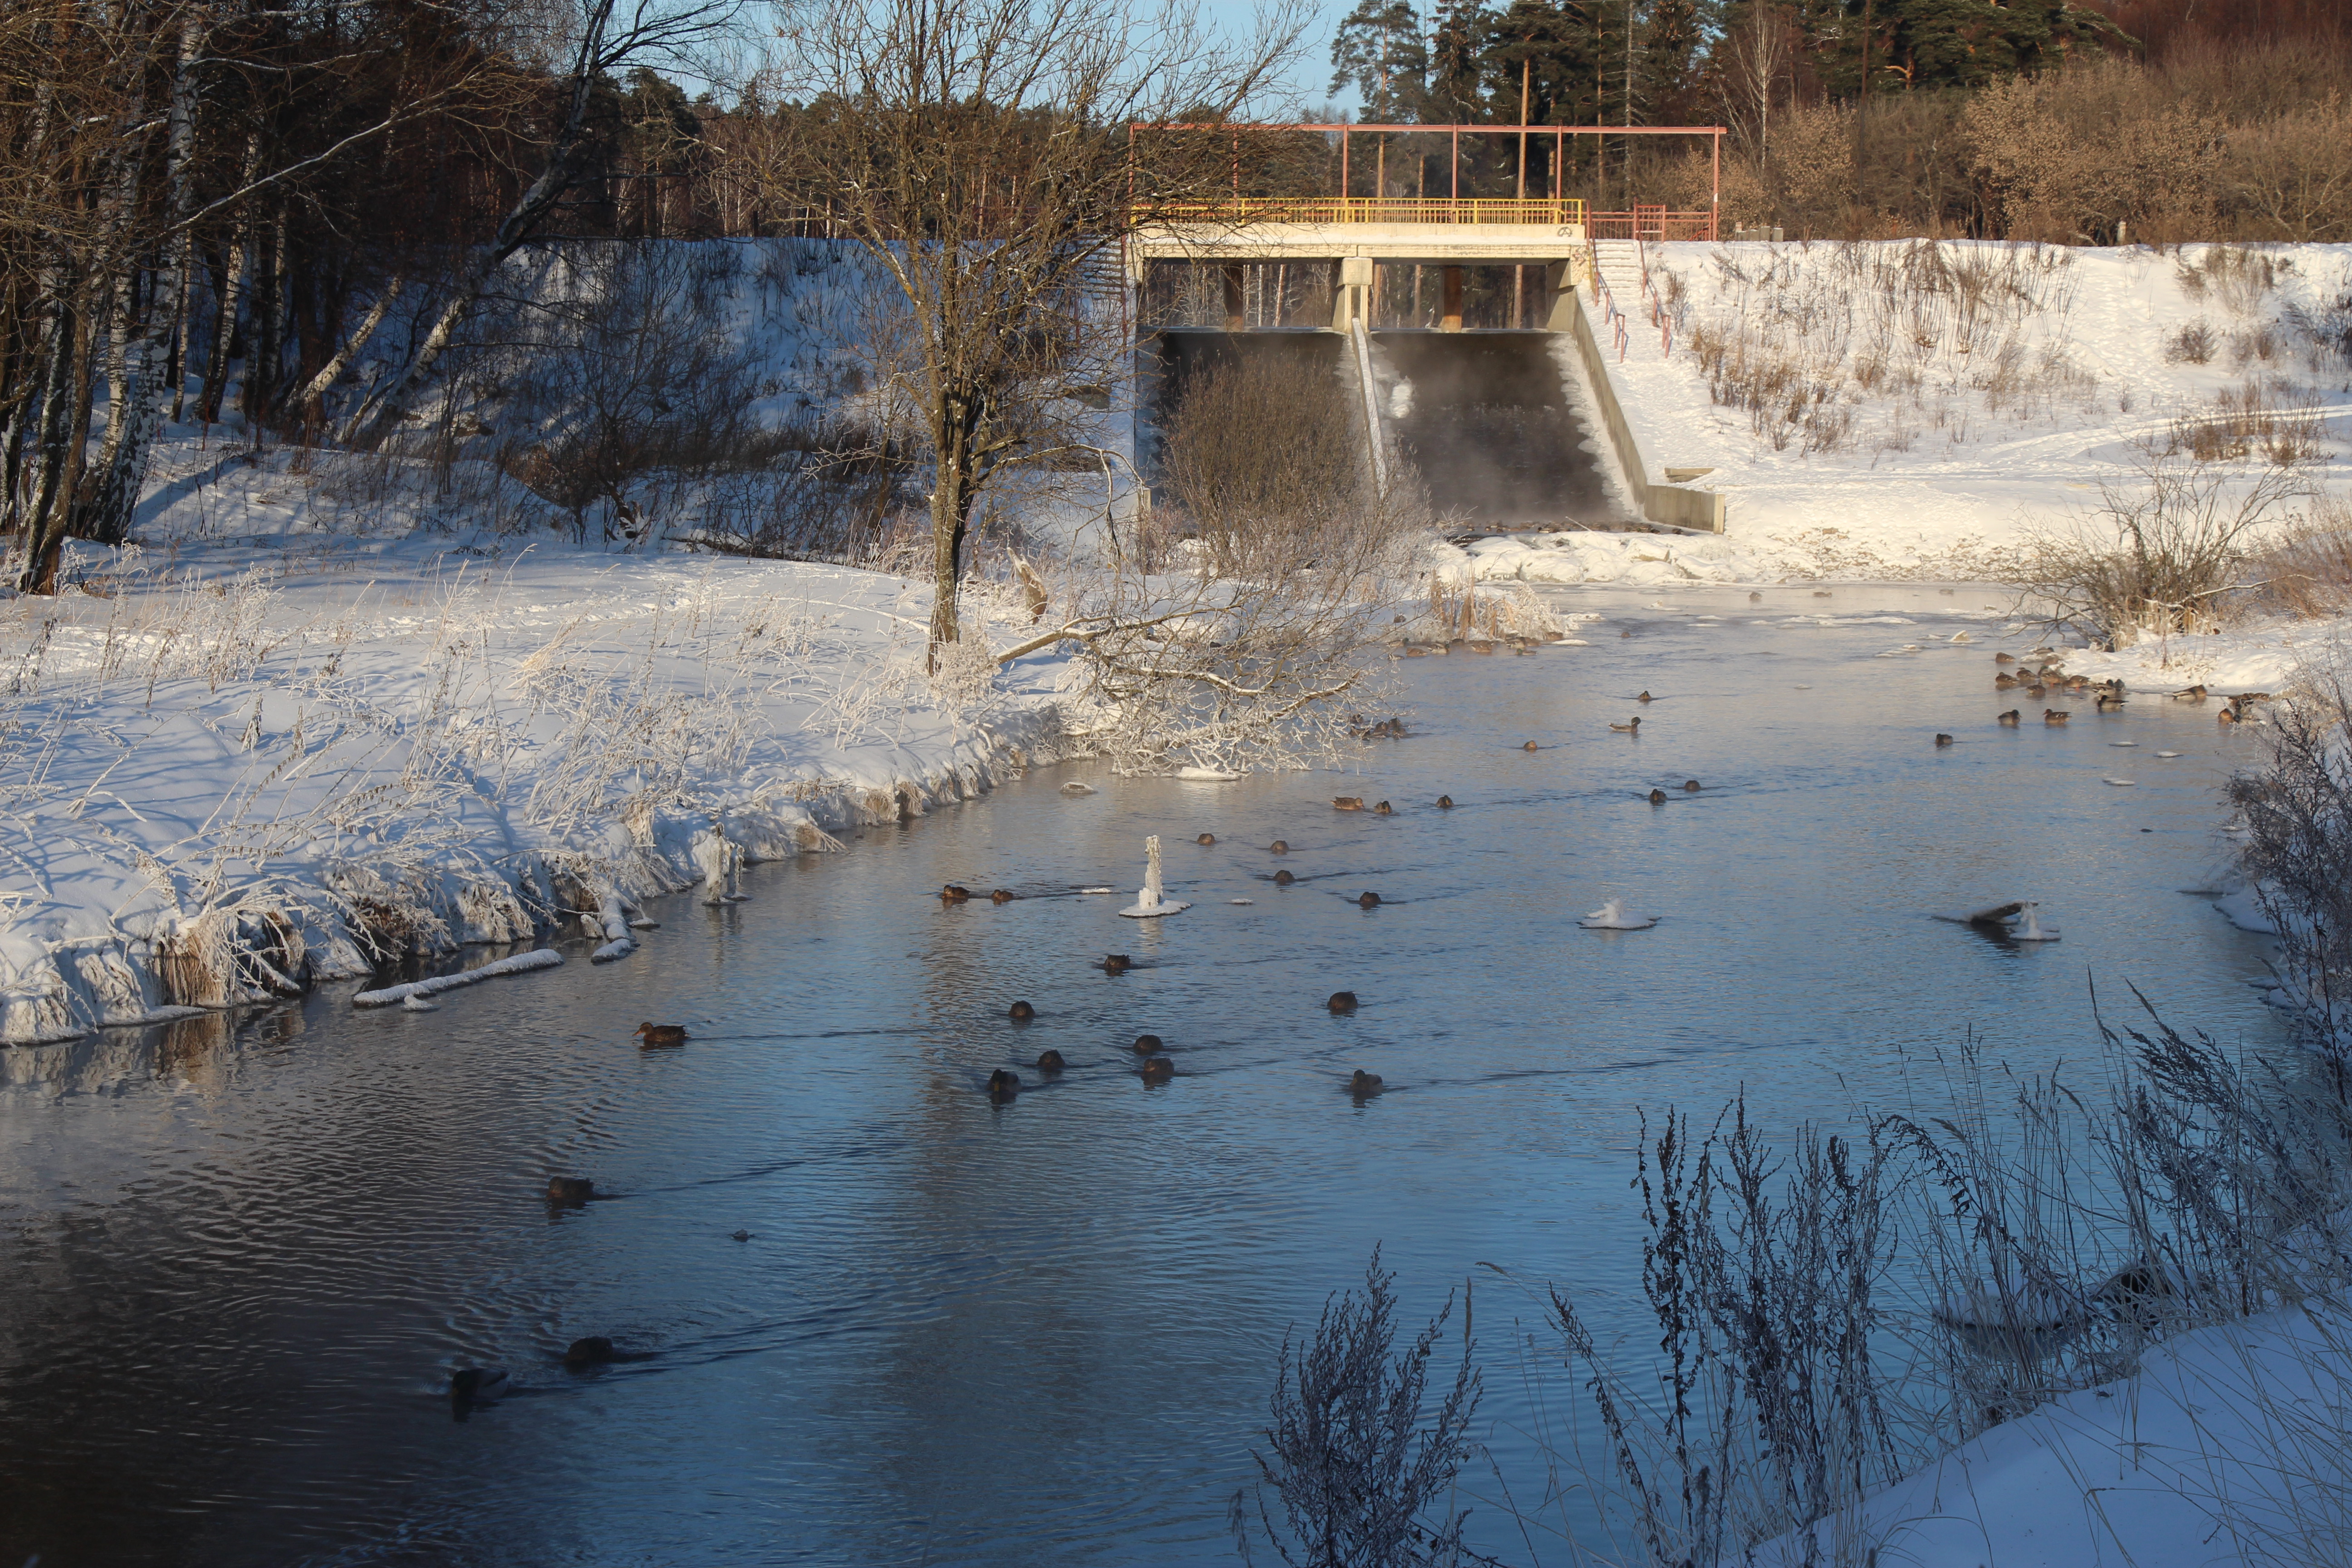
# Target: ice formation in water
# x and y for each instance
(1612, 916)
(1151, 901)
(2032, 930)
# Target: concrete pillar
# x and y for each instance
(1353, 300)
(1452, 321)
(1236, 311)
(1561, 280)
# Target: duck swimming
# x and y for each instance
(1631, 728)
(2009, 719)
(1020, 1012)
(1003, 1084)
(1362, 1082)
(657, 1037)
(1657, 797)
(1117, 964)
(1942, 741)
(2054, 715)
(1342, 1002)
(1284, 878)
(1051, 1061)
(1159, 1070)
(1446, 803)
(472, 1385)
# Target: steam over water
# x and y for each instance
(1489, 423)
(240, 1260)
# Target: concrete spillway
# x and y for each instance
(1486, 420)
(1483, 416)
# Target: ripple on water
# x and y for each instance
(1042, 1331)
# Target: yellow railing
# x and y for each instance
(1377, 209)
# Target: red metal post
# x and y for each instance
(1714, 197)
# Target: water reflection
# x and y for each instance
(243, 1254)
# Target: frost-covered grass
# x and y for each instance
(262, 750)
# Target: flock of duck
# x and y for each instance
(2039, 673)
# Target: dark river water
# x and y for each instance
(240, 1257)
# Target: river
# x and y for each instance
(242, 1255)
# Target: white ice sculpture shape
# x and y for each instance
(1151, 901)
(1612, 916)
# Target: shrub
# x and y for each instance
(2192, 344)
(2158, 559)
(1361, 1480)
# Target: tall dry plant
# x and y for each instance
(2159, 558)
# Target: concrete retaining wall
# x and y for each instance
(1679, 505)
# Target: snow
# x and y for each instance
(520, 964)
(2226, 1449)
(2018, 417)
(266, 747)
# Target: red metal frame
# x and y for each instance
(1642, 223)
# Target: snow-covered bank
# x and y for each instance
(1875, 411)
(237, 765)
(2226, 1449)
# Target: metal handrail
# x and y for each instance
(1380, 209)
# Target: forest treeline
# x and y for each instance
(194, 187)
(2070, 121)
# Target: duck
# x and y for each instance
(1632, 727)
(740, 1235)
(1368, 900)
(1346, 803)
(2108, 701)
(594, 1351)
(1051, 1061)
(471, 1385)
(1159, 1070)
(1446, 803)
(1485, 648)
(1284, 878)
(1020, 1012)
(2037, 691)
(1381, 808)
(955, 894)
(1147, 1046)
(1003, 1084)
(1117, 964)
(1342, 1002)
(570, 1190)
(2004, 658)
(2005, 682)
(2054, 715)
(2009, 719)
(1362, 1082)
(1205, 840)
(1657, 797)
(1278, 847)
(2229, 715)
(1528, 746)
(1001, 897)
(1942, 741)
(1754, 597)
(2189, 694)
(658, 1035)
(1691, 787)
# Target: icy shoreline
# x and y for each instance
(237, 775)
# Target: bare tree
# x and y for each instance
(595, 41)
(980, 151)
